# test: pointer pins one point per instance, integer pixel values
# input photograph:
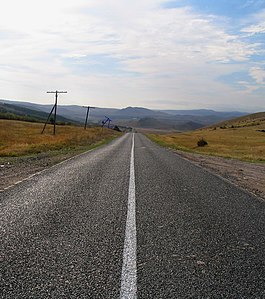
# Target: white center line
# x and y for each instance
(129, 270)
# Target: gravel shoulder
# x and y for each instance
(15, 169)
(249, 176)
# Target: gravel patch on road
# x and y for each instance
(249, 176)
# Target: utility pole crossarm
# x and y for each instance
(56, 91)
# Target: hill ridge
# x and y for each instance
(176, 120)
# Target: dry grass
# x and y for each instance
(244, 143)
(19, 138)
(254, 119)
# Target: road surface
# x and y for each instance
(130, 220)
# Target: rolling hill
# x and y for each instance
(138, 117)
(15, 112)
(254, 119)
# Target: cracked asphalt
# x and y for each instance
(63, 230)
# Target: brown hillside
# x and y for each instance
(254, 119)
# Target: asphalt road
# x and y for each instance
(130, 220)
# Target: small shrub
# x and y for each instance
(202, 142)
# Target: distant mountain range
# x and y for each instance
(178, 120)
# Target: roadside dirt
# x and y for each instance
(249, 176)
(13, 170)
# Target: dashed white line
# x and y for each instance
(129, 269)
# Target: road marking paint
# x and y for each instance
(18, 182)
(129, 269)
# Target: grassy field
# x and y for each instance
(249, 120)
(244, 142)
(19, 138)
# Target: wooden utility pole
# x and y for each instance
(54, 108)
(87, 112)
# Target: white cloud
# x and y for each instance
(255, 29)
(258, 26)
(258, 74)
(177, 53)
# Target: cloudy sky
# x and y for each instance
(180, 54)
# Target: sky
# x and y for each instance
(183, 54)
